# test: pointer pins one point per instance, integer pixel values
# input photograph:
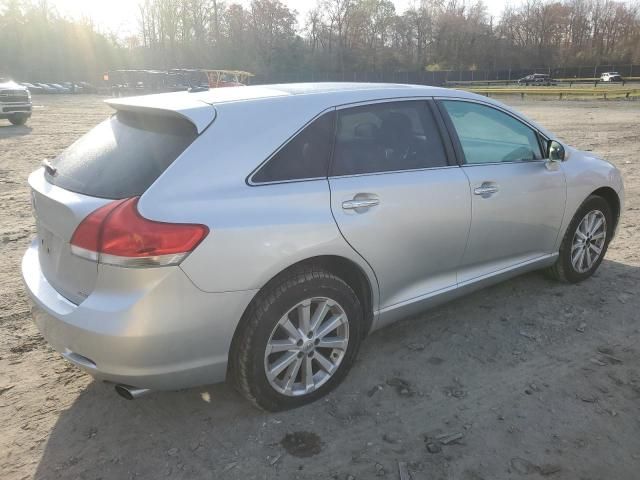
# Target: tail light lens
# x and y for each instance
(116, 234)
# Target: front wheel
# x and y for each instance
(586, 241)
(18, 119)
(298, 339)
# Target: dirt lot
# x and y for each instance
(528, 378)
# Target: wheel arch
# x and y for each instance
(612, 198)
(342, 267)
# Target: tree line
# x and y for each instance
(37, 44)
(267, 36)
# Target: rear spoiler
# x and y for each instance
(180, 104)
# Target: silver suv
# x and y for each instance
(259, 234)
(15, 102)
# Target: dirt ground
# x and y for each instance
(528, 378)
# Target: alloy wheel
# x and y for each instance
(306, 346)
(588, 241)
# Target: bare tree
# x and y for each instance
(338, 35)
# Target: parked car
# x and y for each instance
(54, 89)
(537, 79)
(46, 88)
(191, 250)
(611, 77)
(15, 102)
(87, 87)
(59, 88)
(72, 87)
(32, 88)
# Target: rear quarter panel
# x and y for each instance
(259, 231)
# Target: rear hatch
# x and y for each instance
(120, 158)
(58, 212)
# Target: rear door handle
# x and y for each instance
(355, 204)
(486, 189)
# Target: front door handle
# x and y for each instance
(486, 189)
(355, 204)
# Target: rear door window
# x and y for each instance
(306, 156)
(122, 156)
(386, 137)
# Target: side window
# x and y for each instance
(305, 156)
(385, 137)
(488, 135)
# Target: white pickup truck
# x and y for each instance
(15, 102)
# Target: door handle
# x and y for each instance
(355, 204)
(486, 189)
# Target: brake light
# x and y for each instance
(116, 234)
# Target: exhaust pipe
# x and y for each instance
(129, 392)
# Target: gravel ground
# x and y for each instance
(527, 378)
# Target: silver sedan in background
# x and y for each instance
(258, 234)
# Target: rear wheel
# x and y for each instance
(298, 339)
(586, 241)
(18, 119)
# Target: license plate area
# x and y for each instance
(71, 276)
(49, 250)
(58, 213)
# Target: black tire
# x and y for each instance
(18, 119)
(563, 270)
(247, 356)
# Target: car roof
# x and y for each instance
(325, 95)
(296, 98)
(215, 96)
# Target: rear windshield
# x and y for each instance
(122, 156)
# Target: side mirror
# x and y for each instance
(556, 151)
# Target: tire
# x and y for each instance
(260, 327)
(18, 119)
(565, 269)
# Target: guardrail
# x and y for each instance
(555, 82)
(592, 79)
(606, 93)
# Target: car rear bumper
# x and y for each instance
(148, 328)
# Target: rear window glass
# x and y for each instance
(123, 155)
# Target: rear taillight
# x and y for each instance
(116, 234)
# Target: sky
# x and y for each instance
(121, 16)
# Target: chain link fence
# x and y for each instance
(444, 76)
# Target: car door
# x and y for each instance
(396, 198)
(518, 197)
